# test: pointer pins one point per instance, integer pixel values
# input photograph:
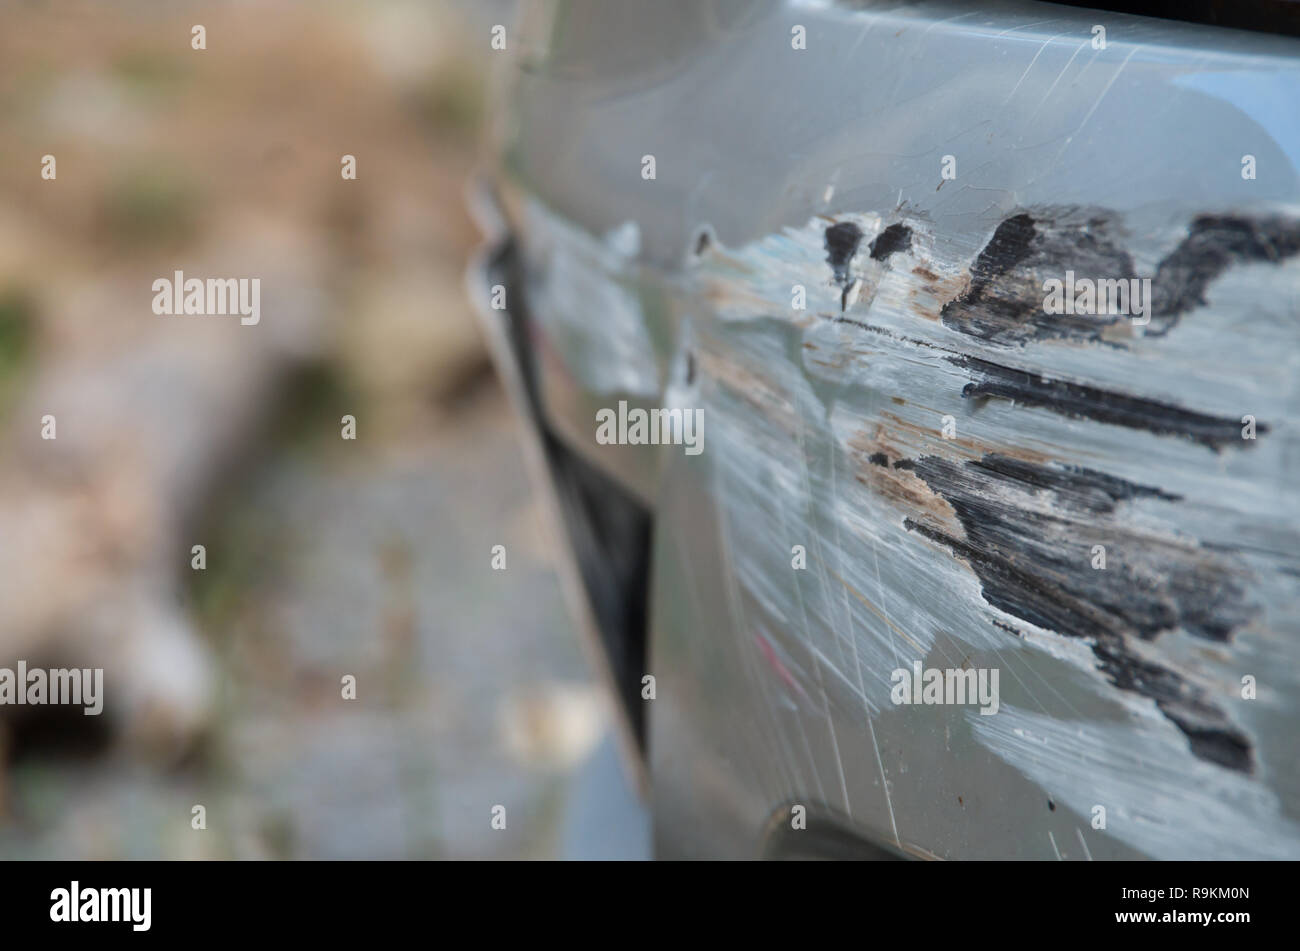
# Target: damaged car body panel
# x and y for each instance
(910, 459)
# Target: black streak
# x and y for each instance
(1029, 536)
(1080, 401)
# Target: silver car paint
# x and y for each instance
(824, 426)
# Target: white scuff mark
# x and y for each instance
(1082, 842)
(884, 783)
(835, 745)
(1159, 798)
(820, 658)
(799, 402)
(1064, 69)
(736, 607)
(1079, 128)
(1023, 26)
(1045, 45)
(584, 297)
(851, 294)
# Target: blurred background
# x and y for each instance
(324, 557)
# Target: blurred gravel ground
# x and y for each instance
(471, 688)
(325, 557)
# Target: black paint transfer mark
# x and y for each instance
(1037, 525)
(1209, 733)
(1098, 492)
(885, 332)
(1005, 250)
(842, 240)
(1081, 401)
(1029, 533)
(897, 237)
(1214, 243)
(1004, 303)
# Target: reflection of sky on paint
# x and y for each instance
(1271, 99)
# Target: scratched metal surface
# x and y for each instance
(1119, 688)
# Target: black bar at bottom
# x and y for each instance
(333, 901)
